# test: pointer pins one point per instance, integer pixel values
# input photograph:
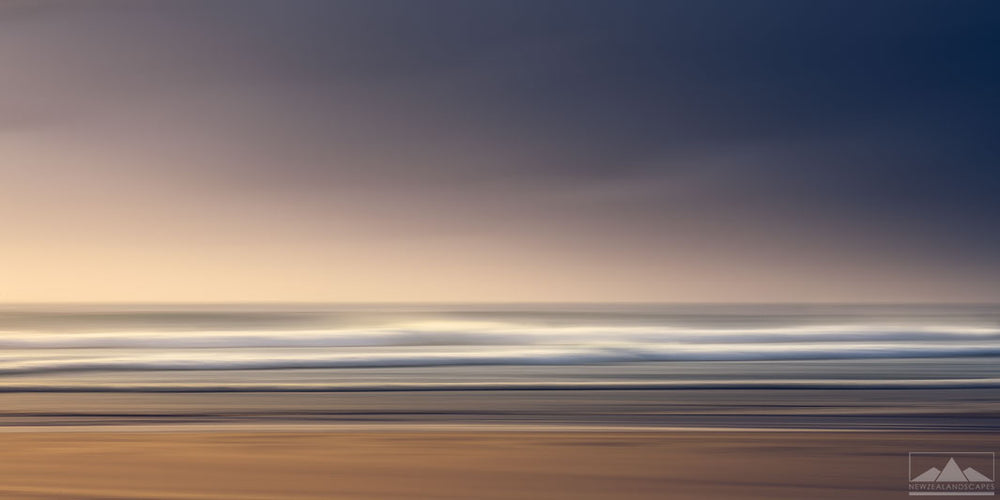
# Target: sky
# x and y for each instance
(499, 151)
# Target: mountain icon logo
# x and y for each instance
(974, 477)
(951, 473)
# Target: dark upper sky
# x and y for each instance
(425, 150)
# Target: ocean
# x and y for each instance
(626, 364)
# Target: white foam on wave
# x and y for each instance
(456, 333)
(264, 359)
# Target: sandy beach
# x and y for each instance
(465, 464)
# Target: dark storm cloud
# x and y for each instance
(876, 111)
(617, 83)
(624, 82)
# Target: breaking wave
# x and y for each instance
(498, 334)
(458, 343)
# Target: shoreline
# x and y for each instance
(776, 410)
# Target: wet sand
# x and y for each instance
(462, 464)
